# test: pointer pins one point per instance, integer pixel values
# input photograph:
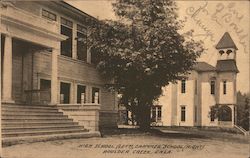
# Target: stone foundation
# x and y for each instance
(87, 115)
(108, 119)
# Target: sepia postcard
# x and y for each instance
(125, 79)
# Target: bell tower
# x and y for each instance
(227, 70)
(226, 48)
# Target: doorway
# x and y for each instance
(64, 93)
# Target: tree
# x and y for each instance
(243, 110)
(143, 51)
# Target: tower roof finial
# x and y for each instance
(226, 42)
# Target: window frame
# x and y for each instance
(70, 86)
(183, 86)
(183, 117)
(156, 113)
(224, 87)
(70, 38)
(212, 87)
(67, 23)
(49, 13)
(84, 44)
(85, 95)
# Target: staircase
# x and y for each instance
(31, 123)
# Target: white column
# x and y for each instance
(1, 153)
(88, 55)
(7, 70)
(54, 76)
(74, 41)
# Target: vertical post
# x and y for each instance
(54, 75)
(0, 99)
(88, 55)
(74, 41)
(7, 70)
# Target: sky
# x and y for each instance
(209, 20)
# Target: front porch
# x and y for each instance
(31, 92)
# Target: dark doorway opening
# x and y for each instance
(81, 94)
(225, 113)
(64, 93)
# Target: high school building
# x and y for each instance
(188, 102)
(49, 82)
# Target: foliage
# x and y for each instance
(221, 112)
(243, 110)
(142, 51)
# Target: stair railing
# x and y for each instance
(242, 130)
(37, 96)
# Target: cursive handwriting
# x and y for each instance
(229, 16)
(194, 14)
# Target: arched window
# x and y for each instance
(221, 52)
(229, 51)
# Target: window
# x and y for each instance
(221, 52)
(64, 93)
(183, 86)
(212, 114)
(156, 113)
(224, 87)
(159, 113)
(81, 94)
(81, 43)
(81, 29)
(95, 95)
(183, 113)
(153, 114)
(66, 22)
(212, 87)
(66, 29)
(229, 51)
(48, 15)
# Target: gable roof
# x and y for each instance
(203, 67)
(226, 42)
(226, 66)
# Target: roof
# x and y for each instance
(227, 66)
(226, 42)
(74, 9)
(203, 67)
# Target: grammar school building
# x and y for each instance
(188, 102)
(50, 87)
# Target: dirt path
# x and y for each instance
(139, 146)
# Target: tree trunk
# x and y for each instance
(144, 117)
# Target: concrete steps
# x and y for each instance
(38, 138)
(23, 123)
(36, 124)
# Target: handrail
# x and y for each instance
(242, 130)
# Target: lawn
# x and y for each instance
(131, 143)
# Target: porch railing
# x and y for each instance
(37, 96)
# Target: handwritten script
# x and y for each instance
(223, 16)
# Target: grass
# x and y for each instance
(180, 133)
